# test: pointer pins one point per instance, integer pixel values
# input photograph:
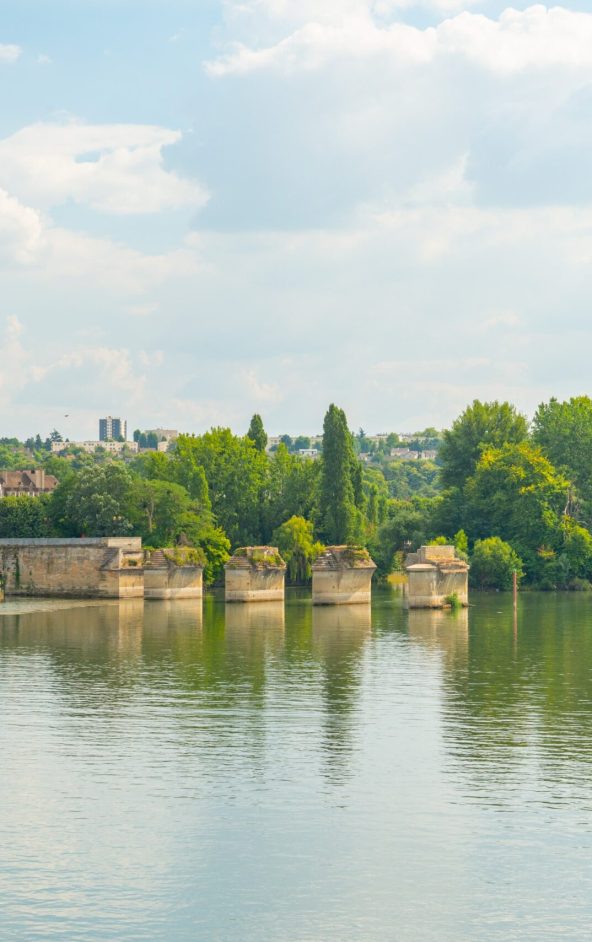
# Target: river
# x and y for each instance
(261, 774)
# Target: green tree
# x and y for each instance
(461, 544)
(97, 501)
(338, 515)
(493, 564)
(236, 474)
(297, 546)
(482, 425)
(162, 511)
(257, 433)
(24, 517)
(563, 431)
(408, 524)
(518, 495)
(290, 489)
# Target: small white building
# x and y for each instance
(114, 448)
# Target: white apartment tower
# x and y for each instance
(112, 429)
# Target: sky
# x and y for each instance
(210, 209)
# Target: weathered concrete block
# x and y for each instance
(433, 573)
(170, 574)
(342, 575)
(255, 574)
(102, 567)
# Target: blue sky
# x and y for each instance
(209, 209)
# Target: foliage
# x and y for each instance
(493, 564)
(408, 479)
(216, 547)
(408, 524)
(185, 556)
(340, 486)
(291, 486)
(164, 511)
(518, 495)
(297, 545)
(453, 602)
(98, 501)
(563, 431)
(24, 517)
(482, 425)
(259, 557)
(461, 544)
(235, 472)
(257, 433)
(146, 439)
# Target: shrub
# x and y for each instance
(493, 563)
(453, 602)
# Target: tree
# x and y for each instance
(98, 501)
(163, 508)
(493, 564)
(235, 472)
(291, 487)
(482, 425)
(297, 546)
(303, 441)
(338, 516)
(518, 495)
(25, 517)
(408, 525)
(563, 431)
(257, 433)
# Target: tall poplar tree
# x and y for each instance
(339, 517)
(257, 433)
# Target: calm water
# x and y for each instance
(326, 776)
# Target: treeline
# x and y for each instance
(516, 497)
(509, 495)
(216, 491)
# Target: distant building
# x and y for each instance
(113, 448)
(430, 455)
(404, 454)
(308, 452)
(112, 429)
(163, 434)
(31, 483)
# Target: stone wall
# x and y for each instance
(104, 567)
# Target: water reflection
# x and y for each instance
(339, 636)
(214, 770)
(443, 631)
(255, 618)
(523, 696)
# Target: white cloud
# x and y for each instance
(9, 52)
(20, 231)
(115, 168)
(14, 359)
(535, 38)
(260, 391)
